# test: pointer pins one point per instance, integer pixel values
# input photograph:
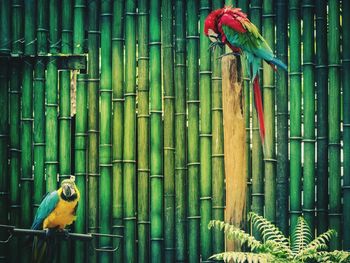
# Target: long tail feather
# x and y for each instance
(279, 63)
(259, 108)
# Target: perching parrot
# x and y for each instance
(231, 26)
(56, 211)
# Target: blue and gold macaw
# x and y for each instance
(56, 211)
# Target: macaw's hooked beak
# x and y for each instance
(67, 190)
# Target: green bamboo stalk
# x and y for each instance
(4, 129)
(93, 121)
(80, 161)
(257, 161)
(322, 122)
(15, 153)
(309, 113)
(5, 22)
(129, 151)
(27, 116)
(218, 169)
(64, 141)
(17, 26)
(295, 113)
(105, 127)
(169, 147)
(205, 137)
(118, 121)
(79, 10)
(15, 99)
(334, 122)
(143, 137)
(27, 123)
(157, 209)
(346, 125)
(39, 104)
(244, 4)
(80, 143)
(51, 135)
(269, 116)
(282, 216)
(193, 214)
(65, 110)
(180, 134)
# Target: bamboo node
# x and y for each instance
(216, 109)
(51, 105)
(4, 193)
(320, 66)
(309, 140)
(218, 207)
(192, 37)
(154, 43)
(3, 135)
(143, 222)
(307, 6)
(27, 119)
(181, 168)
(143, 58)
(192, 101)
(258, 194)
(156, 111)
(180, 113)
(146, 170)
(295, 212)
(205, 198)
(157, 239)
(15, 206)
(80, 134)
(167, 97)
(269, 86)
(334, 65)
(64, 118)
(14, 92)
(156, 176)
(79, 6)
(143, 13)
(271, 15)
(131, 218)
(205, 72)
(169, 148)
(30, 179)
(63, 176)
(94, 32)
(130, 13)
(335, 214)
(209, 135)
(105, 165)
(193, 217)
(217, 155)
(117, 161)
(118, 99)
(129, 161)
(105, 90)
(118, 39)
(193, 164)
(51, 162)
(92, 131)
(296, 73)
(93, 174)
(130, 94)
(39, 143)
(143, 116)
(106, 14)
(308, 63)
(309, 210)
(216, 78)
(180, 65)
(256, 7)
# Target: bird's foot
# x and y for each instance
(64, 232)
(49, 232)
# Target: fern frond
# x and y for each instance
(319, 243)
(335, 256)
(302, 236)
(233, 232)
(270, 232)
(244, 257)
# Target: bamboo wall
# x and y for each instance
(142, 128)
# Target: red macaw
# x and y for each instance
(230, 26)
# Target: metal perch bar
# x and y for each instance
(13, 231)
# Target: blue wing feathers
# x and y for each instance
(46, 207)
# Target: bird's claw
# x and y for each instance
(65, 233)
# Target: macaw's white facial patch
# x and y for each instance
(212, 36)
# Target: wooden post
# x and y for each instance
(234, 144)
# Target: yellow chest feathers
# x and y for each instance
(62, 215)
